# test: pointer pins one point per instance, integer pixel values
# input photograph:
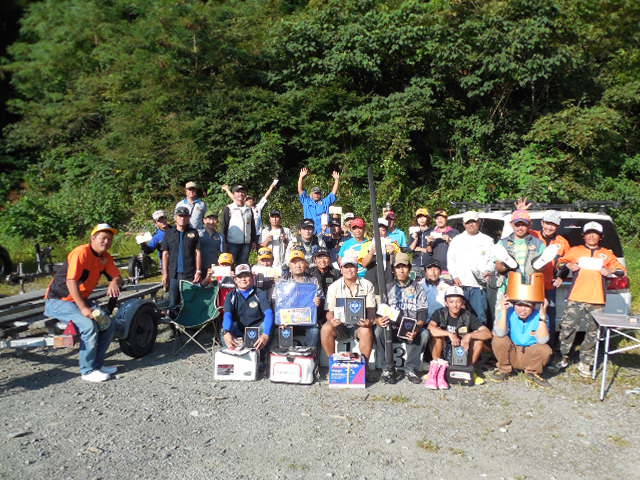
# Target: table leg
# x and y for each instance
(595, 358)
(605, 362)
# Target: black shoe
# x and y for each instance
(538, 380)
(390, 376)
(413, 377)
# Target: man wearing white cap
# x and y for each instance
(196, 207)
(589, 263)
(162, 225)
(68, 299)
(469, 260)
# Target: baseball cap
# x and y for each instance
(350, 259)
(182, 211)
(592, 227)
(469, 216)
(103, 227)
(264, 252)
(357, 222)
(522, 302)
(383, 222)
(441, 213)
(239, 188)
(242, 269)
(551, 216)
(250, 196)
(210, 213)
(401, 259)
(191, 185)
(316, 190)
(391, 215)
(307, 223)
(521, 216)
(433, 263)
(275, 213)
(422, 211)
(453, 291)
(296, 253)
(321, 252)
(225, 258)
(334, 222)
(349, 216)
(158, 214)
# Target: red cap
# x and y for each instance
(391, 215)
(357, 222)
(521, 216)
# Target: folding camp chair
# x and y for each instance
(198, 310)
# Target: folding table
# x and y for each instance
(618, 324)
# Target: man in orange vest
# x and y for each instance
(590, 264)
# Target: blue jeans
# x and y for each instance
(240, 252)
(93, 342)
(477, 300)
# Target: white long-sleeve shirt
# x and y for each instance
(469, 253)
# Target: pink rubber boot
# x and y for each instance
(442, 375)
(432, 377)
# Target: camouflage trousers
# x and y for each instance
(573, 314)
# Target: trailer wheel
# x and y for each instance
(142, 333)
(5, 262)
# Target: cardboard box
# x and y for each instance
(347, 370)
(235, 367)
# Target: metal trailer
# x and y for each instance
(136, 319)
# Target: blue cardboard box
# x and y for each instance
(347, 370)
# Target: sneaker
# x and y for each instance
(584, 370)
(109, 370)
(413, 377)
(477, 379)
(96, 377)
(498, 375)
(389, 376)
(538, 380)
(560, 365)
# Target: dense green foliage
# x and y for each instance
(121, 101)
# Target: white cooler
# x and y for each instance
(229, 366)
(292, 367)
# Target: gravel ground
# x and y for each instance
(165, 417)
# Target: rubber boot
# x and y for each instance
(432, 377)
(442, 375)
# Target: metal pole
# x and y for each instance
(382, 287)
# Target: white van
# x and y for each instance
(497, 224)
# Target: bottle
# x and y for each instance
(101, 318)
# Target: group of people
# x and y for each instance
(451, 286)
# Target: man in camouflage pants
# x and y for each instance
(589, 264)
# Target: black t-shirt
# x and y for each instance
(465, 323)
(191, 243)
(325, 278)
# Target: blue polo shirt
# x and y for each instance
(247, 308)
(521, 331)
(314, 210)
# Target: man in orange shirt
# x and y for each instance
(68, 299)
(590, 264)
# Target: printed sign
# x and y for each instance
(295, 303)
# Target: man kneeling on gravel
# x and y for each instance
(520, 337)
(246, 306)
(68, 299)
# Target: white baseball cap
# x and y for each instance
(551, 216)
(158, 214)
(592, 227)
(469, 216)
(453, 291)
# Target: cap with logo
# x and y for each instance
(243, 268)
(441, 213)
(470, 216)
(158, 214)
(401, 258)
(551, 216)
(182, 211)
(307, 223)
(521, 216)
(225, 258)
(265, 252)
(453, 291)
(357, 222)
(321, 252)
(191, 185)
(592, 227)
(103, 227)
(296, 254)
(422, 212)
